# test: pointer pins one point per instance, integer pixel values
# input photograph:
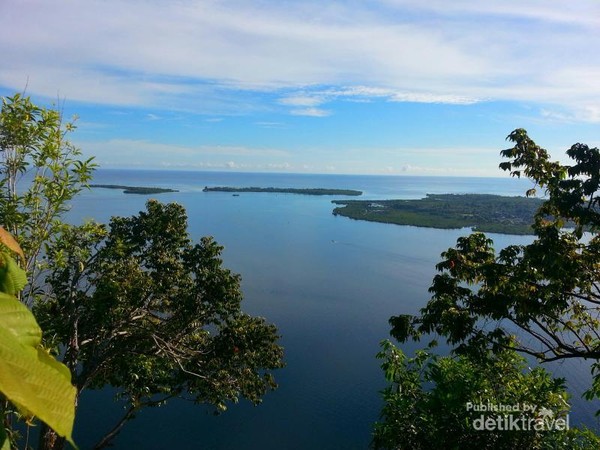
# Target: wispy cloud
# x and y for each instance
(312, 99)
(200, 55)
(577, 14)
(301, 100)
(122, 152)
(232, 166)
(411, 161)
(395, 95)
(311, 112)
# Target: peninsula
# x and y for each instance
(481, 212)
(312, 191)
(134, 189)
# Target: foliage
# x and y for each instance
(134, 305)
(427, 403)
(138, 307)
(547, 292)
(30, 378)
(547, 288)
(35, 149)
(483, 212)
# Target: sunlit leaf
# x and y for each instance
(29, 377)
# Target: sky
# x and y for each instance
(360, 87)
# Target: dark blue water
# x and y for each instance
(329, 283)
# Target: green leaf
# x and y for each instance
(12, 277)
(29, 377)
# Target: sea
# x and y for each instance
(329, 283)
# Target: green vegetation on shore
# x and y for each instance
(134, 189)
(482, 212)
(312, 191)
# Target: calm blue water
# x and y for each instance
(329, 283)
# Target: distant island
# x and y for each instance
(134, 189)
(482, 212)
(317, 191)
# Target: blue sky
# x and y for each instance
(374, 86)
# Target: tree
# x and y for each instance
(541, 299)
(134, 305)
(459, 402)
(34, 149)
(140, 308)
(41, 172)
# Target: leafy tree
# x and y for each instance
(140, 308)
(433, 402)
(34, 148)
(134, 305)
(542, 298)
(41, 172)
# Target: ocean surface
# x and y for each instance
(330, 285)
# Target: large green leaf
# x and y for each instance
(29, 377)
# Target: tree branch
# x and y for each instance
(108, 437)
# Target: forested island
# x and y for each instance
(134, 189)
(311, 191)
(482, 212)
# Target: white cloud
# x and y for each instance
(200, 55)
(394, 95)
(363, 94)
(279, 166)
(412, 161)
(311, 112)
(301, 100)
(581, 13)
(120, 151)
